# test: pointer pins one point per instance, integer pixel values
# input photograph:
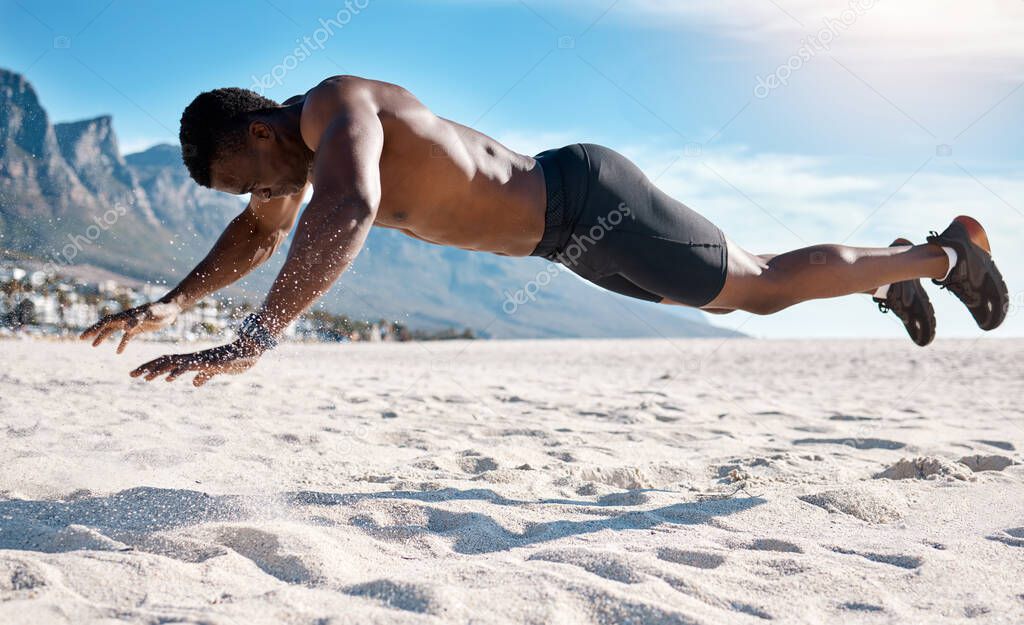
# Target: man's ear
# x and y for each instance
(260, 130)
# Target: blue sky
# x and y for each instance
(894, 117)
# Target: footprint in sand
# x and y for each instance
(813, 429)
(610, 609)
(622, 569)
(627, 498)
(1004, 445)
(264, 550)
(752, 610)
(775, 569)
(901, 561)
(523, 432)
(773, 544)
(851, 417)
(856, 443)
(857, 606)
(872, 502)
(992, 462)
(696, 559)
(473, 462)
(603, 564)
(690, 589)
(397, 595)
(1013, 536)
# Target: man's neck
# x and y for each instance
(287, 122)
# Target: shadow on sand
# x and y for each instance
(138, 518)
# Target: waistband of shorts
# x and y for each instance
(563, 206)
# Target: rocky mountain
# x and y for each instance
(35, 180)
(69, 197)
(90, 148)
(182, 206)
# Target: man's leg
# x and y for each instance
(672, 254)
(769, 283)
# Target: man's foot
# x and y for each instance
(910, 302)
(975, 279)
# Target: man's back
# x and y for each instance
(440, 181)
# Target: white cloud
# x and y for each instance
(961, 36)
(981, 36)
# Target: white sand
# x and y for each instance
(526, 482)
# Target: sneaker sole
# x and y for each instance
(999, 307)
(922, 294)
(929, 321)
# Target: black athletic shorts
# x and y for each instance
(609, 224)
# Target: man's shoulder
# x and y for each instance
(336, 97)
(344, 86)
(342, 83)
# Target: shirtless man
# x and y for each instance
(375, 155)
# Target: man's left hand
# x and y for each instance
(233, 358)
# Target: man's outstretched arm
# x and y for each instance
(248, 241)
(334, 226)
(332, 230)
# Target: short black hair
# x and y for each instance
(214, 123)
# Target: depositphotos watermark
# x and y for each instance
(78, 242)
(316, 40)
(812, 46)
(567, 259)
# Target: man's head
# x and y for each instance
(237, 141)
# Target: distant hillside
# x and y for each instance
(68, 196)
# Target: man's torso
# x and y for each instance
(446, 183)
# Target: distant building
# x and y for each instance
(42, 302)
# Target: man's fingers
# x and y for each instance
(130, 332)
(93, 329)
(149, 366)
(156, 372)
(206, 365)
(175, 365)
(176, 372)
(109, 329)
(203, 377)
(124, 341)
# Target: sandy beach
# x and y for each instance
(567, 482)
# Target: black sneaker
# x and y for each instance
(910, 302)
(975, 279)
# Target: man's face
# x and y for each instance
(261, 166)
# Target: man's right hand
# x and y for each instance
(134, 321)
